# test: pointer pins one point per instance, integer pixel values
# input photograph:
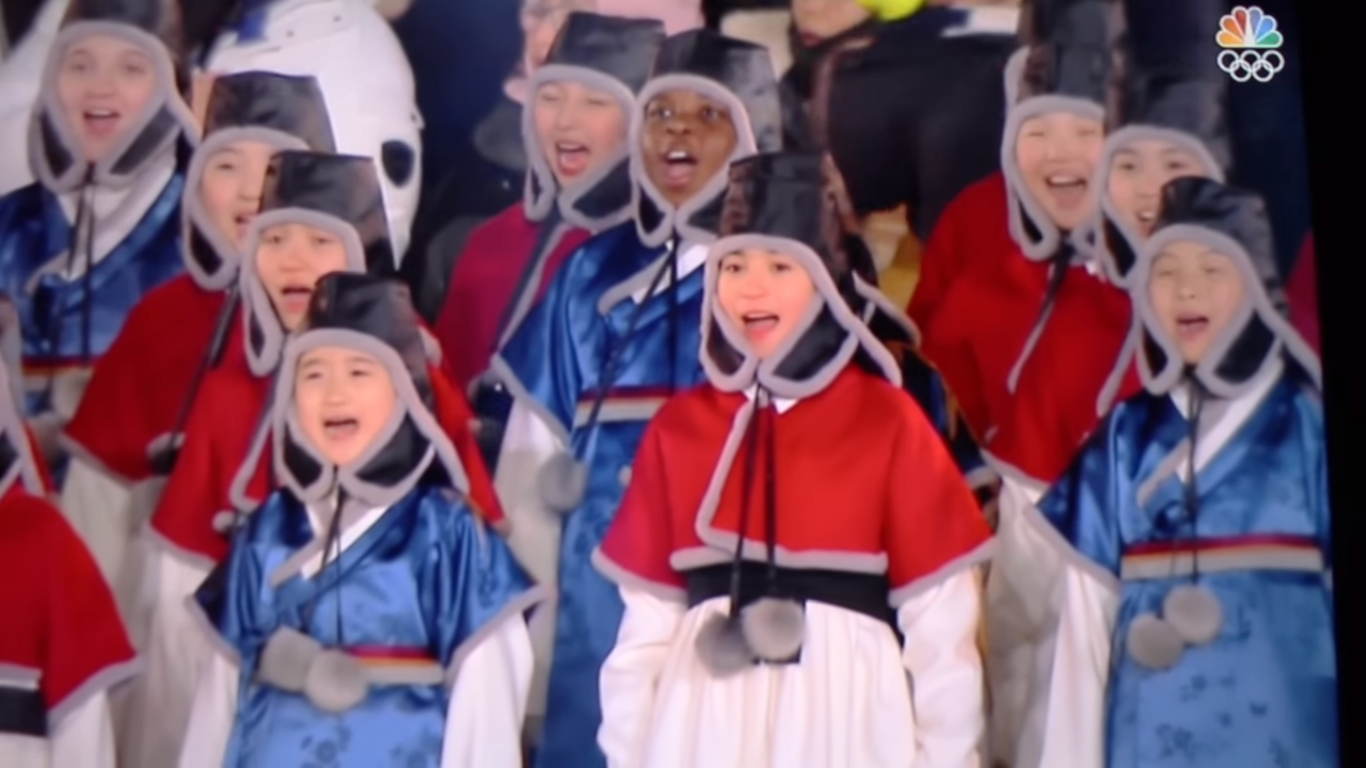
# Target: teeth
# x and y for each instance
(100, 113)
(1064, 180)
(677, 154)
(1146, 216)
(570, 147)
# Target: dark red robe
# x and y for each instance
(485, 282)
(218, 438)
(981, 299)
(860, 471)
(60, 617)
(1302, 291)
(139, 386)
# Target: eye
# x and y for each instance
(274, 239)
(730, 267)
(323, 242)
(782, 266)
(710, 114)
(312, 376)
(599, 101)
(359, 373)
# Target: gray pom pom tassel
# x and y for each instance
(1153, 643)
(336, 682)
(286, 659)
(1194, 613)
(563, 482)
(774, 629)
(721, 647)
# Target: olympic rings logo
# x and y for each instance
(1247, 65)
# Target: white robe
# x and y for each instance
(483, 719)
(854, 701)
(82, 738)
(528, 443)
(1021, 620)
(1073, 721)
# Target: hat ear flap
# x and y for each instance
(1247, 353)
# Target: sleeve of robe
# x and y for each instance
(635, 555)
(1077, 519)
(479, 633)
(935, 537)
(99, 508)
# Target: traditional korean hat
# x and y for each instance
(336, 193)
(736, 73)
(608, 54)
(1070, 63)
(375, 316)
(1176, 95)
(17, 461)
(782, 203)
(1234, 223)
(281, 111)
(154, 27)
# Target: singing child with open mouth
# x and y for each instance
(747, 597)
(1194, 526)
(614, 337)
(366, 611)
(320, 213)
(99, 228)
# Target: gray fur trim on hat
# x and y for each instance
(764, 371)
(259, 318)
(194, 213)
(679, 221)
(1115, 143)
(1256, 303)
(285, 426)
(542, 189)
(1020, 202)
(49, 118)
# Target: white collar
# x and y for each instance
(348, 536)
(1239, 410)
(693, 256)
(117, 212)
(783, 404)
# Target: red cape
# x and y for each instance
(138, 387)
(218, 438)
(983, 297)
(484, 282)
(60, 617)
(1303, 293)
(843, 458)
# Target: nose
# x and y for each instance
(292, 257)
(677, 125)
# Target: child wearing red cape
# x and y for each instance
(761, 629)
(64, 648)
(124, 436)
(319, 213)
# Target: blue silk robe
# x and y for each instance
(34, 231)
(557, 357)
(1262, 694)
(427, 575)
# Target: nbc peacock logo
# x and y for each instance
(1249, 38)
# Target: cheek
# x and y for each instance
(332, 259)
(607, 131)
(1028, 154)
(137, 91)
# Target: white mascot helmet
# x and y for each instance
(365, 79)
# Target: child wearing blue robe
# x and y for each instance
(101, 225)
(1197, 607)
(365, 616)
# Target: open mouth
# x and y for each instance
(571, 158)
(759, 324)
(679, 167)
(296, 297)
(1146, 221)
(340, 428)
(1067, 191)
(101, 122)
(242, 222)
(1190, 326)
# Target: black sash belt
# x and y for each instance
(22, 712)
(863, 593)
